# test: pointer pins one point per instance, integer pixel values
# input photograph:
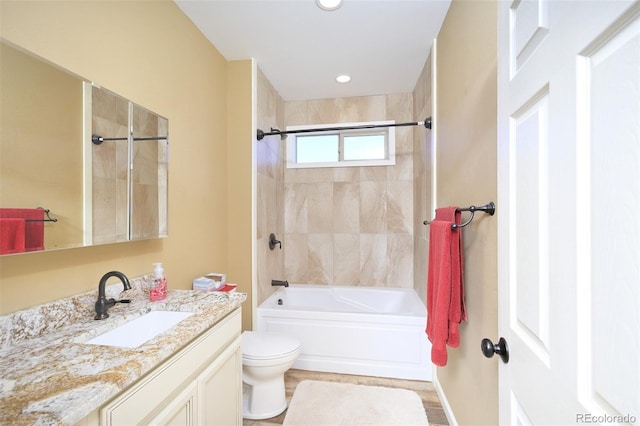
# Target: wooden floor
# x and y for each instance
(425, 390)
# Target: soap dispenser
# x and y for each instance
(158, 290)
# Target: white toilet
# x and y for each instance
(265, 359)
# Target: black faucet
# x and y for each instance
(280, 283)
(102, 304)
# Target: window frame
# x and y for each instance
(291, 142)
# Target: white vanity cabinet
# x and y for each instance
(200, 385)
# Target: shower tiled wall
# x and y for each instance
(110, 118)
(422, 179)
(149, 175)
(352, 225)
(270, 188)
(110, 171)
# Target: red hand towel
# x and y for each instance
(445, 289)
(439, 289)
(34, 231)
(457, 312)
(11, 235)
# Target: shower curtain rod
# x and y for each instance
(283, 133)
(97, 139)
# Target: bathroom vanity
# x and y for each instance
(189, 374)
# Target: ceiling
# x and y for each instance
(300, 48)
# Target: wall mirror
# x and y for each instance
(79, 164)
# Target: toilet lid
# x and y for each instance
(261, 345)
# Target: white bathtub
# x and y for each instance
(368, 331)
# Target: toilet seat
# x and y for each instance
(259, 346)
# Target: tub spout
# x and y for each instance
(280, 283)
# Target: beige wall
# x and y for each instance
(351, 225)
(152, 54)
(239, 233)
(466, 174)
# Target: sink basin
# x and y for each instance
(140, 330)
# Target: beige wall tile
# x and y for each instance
(404, 139)
(271, 207)
(360, 201)
(296, 262)
(346, 207)
(320, 207)
(377, 173)
(399, 214)
(399, 107)
(373, 259)
(400, 257)
(296, 207)
(403, 170)
(346, 259)
(373, 207)
(320, 266)
(295, 113)
(346, 174)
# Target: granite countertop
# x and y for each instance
(48, 375)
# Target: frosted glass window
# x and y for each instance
(317, 149)
(342, 145)
(364, 147)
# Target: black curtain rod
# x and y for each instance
(283, 133)
(97, 139)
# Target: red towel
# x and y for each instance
(11, 235)
(34, 231)
(445, 295)
(458, 312)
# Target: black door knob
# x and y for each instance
(502, 349)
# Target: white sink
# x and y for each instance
(140, 330)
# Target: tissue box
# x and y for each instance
(220, 278)
(210, 282)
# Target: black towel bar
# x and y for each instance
(489, 209)
(47, 219)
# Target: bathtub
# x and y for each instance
(369, 331)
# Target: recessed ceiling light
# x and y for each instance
(329, 4)
(343, 78)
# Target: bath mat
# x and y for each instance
(316, 403)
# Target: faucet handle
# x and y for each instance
(273, 241)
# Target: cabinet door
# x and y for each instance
(181, 411)
(220, 389)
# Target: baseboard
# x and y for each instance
(443, 399)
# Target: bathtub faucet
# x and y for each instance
(280, 283)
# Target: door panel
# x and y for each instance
(609, 185)
(530, 280)
(569, 193)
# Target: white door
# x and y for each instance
(569, 211)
